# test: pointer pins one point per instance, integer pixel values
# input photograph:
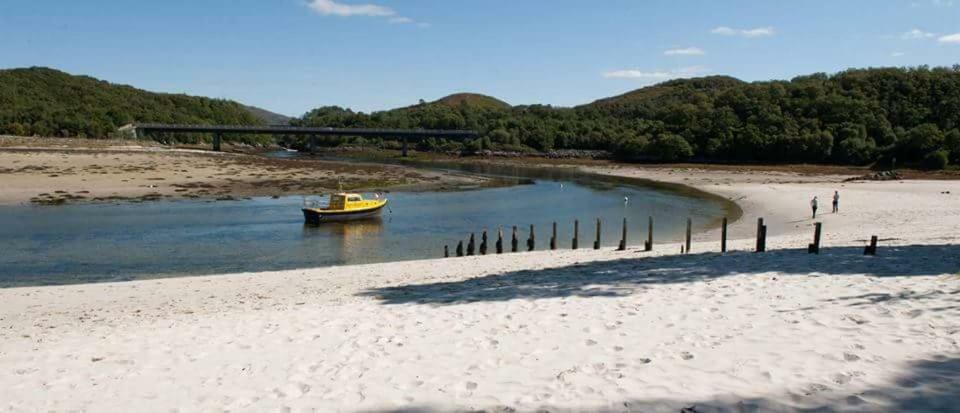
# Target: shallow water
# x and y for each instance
(112, 242)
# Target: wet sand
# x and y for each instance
(44, 173)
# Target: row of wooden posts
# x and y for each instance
(761, 244)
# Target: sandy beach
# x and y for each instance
(544, 331)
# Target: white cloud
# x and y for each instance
(332, 8)
(755, 32)
(724, 30)
(916, 34)
(689, 51)
(950, 38)
(897, 54)
(656, 75)
(335, 8)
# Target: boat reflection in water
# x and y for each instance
(354, 238)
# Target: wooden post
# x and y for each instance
(759, 247)
(499, 240)
(648, 246)
(723, 236)
(872, 248)
(216, 141)
(446, 251)
(815, 247)
(460, 248)
(471, 245)
(483, 243)
(623, 239)
(513, 241)
(576, 233)
(531, 241)
(553, 238)
(689, 233)
(596, 244)
(763, 238)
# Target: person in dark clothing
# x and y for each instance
(813, 206)
(836, 202)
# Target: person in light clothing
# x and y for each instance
(836, 202)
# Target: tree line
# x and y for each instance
(903, 116)
(857, 117)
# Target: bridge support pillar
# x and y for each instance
(403, 149)
(313, 143)
(216, 142)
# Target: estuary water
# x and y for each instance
(82, 243)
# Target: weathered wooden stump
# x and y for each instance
(471, 246)
(648, 245)
(483, 243)
(723, 235)
(872, 248)
(459, 248)
(815, 247)
(689, 235)
(623, 238)
(446, 251)
(531, 241)
(514, 244)
(596, 243)
(553, 238)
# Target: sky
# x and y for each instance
(290, 56)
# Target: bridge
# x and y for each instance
(141, 129)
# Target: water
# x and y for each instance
(83, 243)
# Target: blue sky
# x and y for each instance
(293, 55)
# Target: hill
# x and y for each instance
(893, 116)
(472, 99)
(268, 117)
(48, 102)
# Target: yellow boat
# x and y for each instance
(344, 207)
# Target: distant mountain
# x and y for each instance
(48, 102)
(268, 117)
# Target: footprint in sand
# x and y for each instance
(686, 355)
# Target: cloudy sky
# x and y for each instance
(292, 55)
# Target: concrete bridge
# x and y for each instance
(141, 129)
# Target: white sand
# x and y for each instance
(562, 331)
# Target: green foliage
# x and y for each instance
(852, 117)
(669, 147)
(936, 160)
(46, 102)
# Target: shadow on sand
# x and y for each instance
(924, 386)
(625, 276)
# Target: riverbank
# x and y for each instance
(50, 172)
(563, 331)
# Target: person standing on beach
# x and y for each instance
(836, 201)
(813, 205)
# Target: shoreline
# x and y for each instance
(557, 330)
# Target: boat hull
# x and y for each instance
(316, 216)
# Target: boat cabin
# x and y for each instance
(346, 202)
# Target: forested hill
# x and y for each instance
(863, 116)
(852, 117)
(47, 102)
